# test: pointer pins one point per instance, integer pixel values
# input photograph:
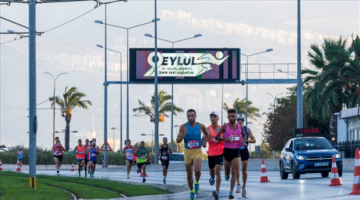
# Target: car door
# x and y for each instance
(285, 159)
(290, 155)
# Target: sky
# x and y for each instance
(252, 26)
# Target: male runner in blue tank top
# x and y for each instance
(244, 154)
(190, 132)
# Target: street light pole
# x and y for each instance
(54, 101)
(121, 123)
(113, 129)
(172, 85)
(299, 97)
(273, 98)
(246, 76)
(105, 91)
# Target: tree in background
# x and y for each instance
(240, 106)
(72, 99)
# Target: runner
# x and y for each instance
(164, 151)
(141, 153)
(233, 137)
(128, 150)
(190, 132)
(80, 156)
(244, 154)
(97, 148)
(87, 156)
(93, 158)
(215, 153)
(58, 154)
(20, 156)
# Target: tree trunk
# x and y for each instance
(332, 124)
(67, 134)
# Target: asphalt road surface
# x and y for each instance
(309, 186)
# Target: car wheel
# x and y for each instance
(324, 174)
(340, 173)
(283, 174)
(295, 175)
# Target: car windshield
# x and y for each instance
(312, 144)
(177, 157)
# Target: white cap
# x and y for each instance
(214, 113)
(240, 116)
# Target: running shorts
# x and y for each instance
(215, 160)
(80, 159)
(59, 157)
(244, 154)
(139, 165)
(191, 154)
(165, 163)
(230, 154)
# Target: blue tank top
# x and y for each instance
(192, 138)
(93, 155)
(246, 134)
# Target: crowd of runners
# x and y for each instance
(227, 147)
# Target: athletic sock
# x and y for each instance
(191, 191)
(196, 182)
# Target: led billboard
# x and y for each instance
(185, 65)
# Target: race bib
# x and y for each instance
(235, 139)
(81, 152)
(142, 156)
(193, 144)
(164, 157)
(93, 155)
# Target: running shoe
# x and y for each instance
(144, 180)
(243, 194)
(231, 196)
(238, 188)
(85, 175)
(57, 171)
(128, 177)
(211, 181)
(79, 175)
(215, 194)
(192, 196)
(227, 178)
(164, 180)
(197, 189)
(90, 171)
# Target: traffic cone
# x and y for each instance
(0, 165)
(335, 180)
(72, 167)
(18, 168)
(263, 177)
(356, 184)
(142, 174)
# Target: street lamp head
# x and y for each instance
(148, 35)
(268, 50)
(100, 46)
(75, 131)
(161, 134)
(143, 134)
(11, 31)
(197, 35)
(157, 19)
(99, 22)
(279, 70)
(113, 128)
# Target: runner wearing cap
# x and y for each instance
(190, 132)
(215, 153)
(165, 151)
(244, 153)
(233, 134)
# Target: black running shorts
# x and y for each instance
(244, 154)
(215, 160)
(59, 157)
(230, 154)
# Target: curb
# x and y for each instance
(180, 192)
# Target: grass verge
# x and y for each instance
(15, 186)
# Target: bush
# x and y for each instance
(46, 157)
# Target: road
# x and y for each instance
(309, 186)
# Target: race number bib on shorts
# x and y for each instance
(193, 144)
(164, 157)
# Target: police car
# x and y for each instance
(303, 155)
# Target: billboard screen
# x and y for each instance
(185, 65)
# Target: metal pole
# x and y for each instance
(54, 112)
(127, 85)
(246, 74)
(156, 94)
(32, 93)
(172, 115)
(222, 103)
(105, 91)
(299, 98)
(121, 130)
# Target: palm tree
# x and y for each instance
(329, 93)
(72, 99)
(164, 107)
(240, 106)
